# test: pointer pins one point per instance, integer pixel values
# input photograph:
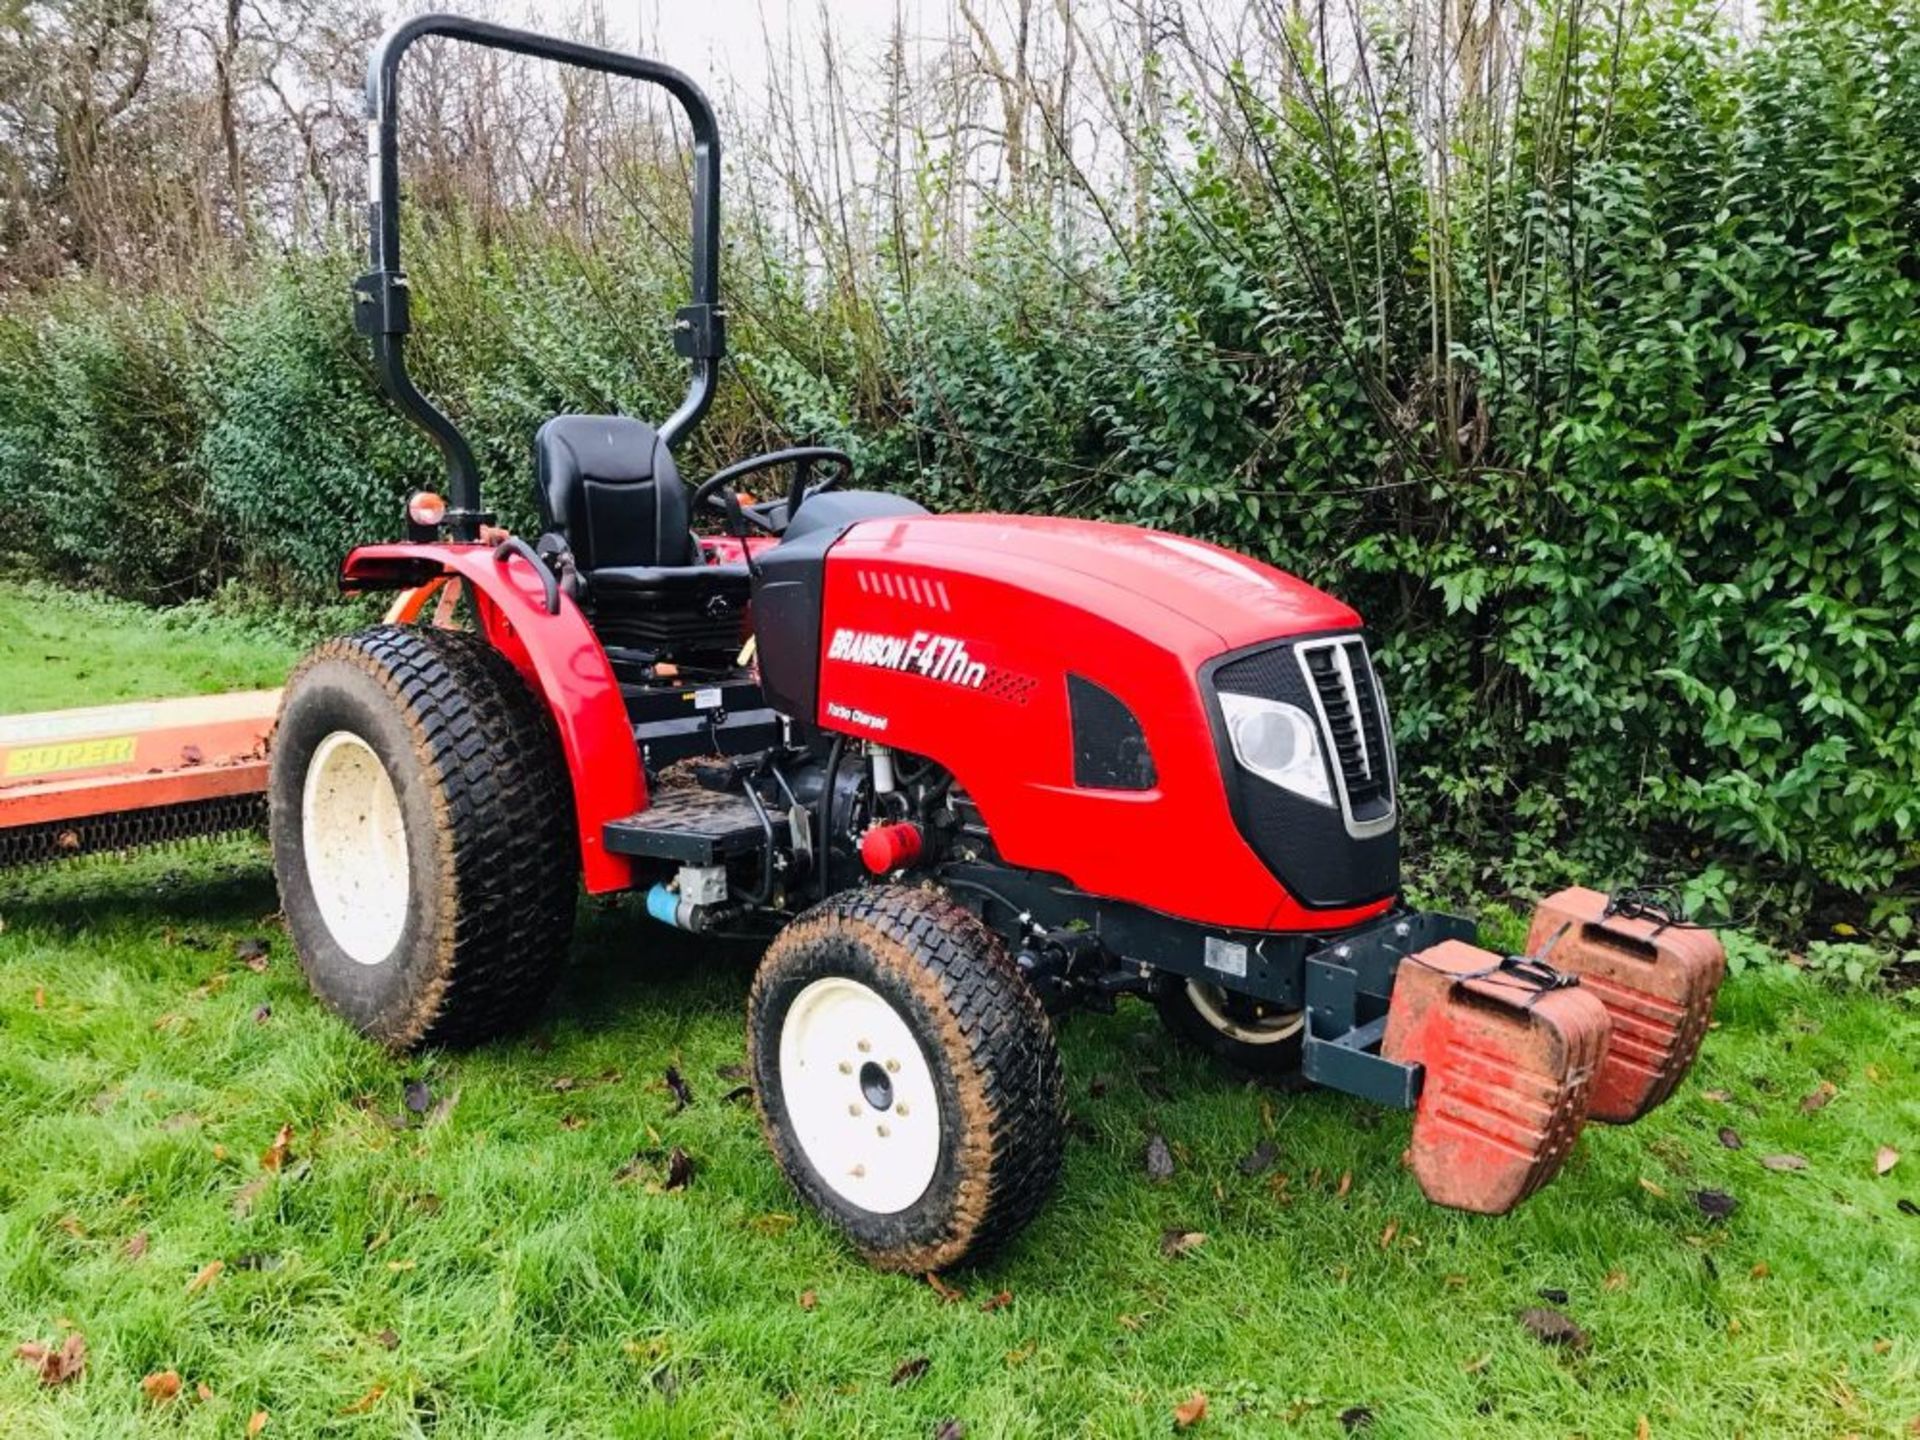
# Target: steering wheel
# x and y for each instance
(716, 491)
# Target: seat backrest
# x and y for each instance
(609, 485)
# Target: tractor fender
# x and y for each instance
(561, 659)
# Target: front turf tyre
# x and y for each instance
(1250, 1034)
(907, 1078)
(423, 835)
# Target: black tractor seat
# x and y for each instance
(608, 489)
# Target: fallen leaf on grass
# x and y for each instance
(253, 953)
(573, 1122)
(1159, 1159)
(809, 1299)
(1643, 1429)
(909, 1371)
(1386, 1235)
(136, 1247)
(1819, 1098)
(366, 1402)
(950, 1429)
(1191, 1411)
(256, 1423)
(774, 1224)
(1179, 1241)
(1784, 1162)
(1760, 1271)
(1715, 1204)
(1341, 1190)
(1719, 1097)
(682, 1092)
(161, 1386)
(204, 1391)
(679, 1169)
(946, 1292)
(1550, 1327)
(1356, 1417)
(39, 997)
(277, 1153)
(1653, 1188)
(731, 1072)
(1616, 1280)
(1730, 1138)
(1260, 1159)
(388, 1339)
(997, 1301)
(209, 1272)
(56, 1366)
(1884, 1159)
(1477, 1364)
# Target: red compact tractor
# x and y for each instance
(966, 770)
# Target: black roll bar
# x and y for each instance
(380, 296)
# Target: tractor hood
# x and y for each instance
(1163, 586)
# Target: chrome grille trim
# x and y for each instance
(1352, 714)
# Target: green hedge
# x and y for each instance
(1639, 536)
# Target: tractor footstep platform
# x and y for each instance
(694, 826)
(1657, 978)
(1510, 1056)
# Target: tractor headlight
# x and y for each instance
(1279, 743)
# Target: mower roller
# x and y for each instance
(965, 772)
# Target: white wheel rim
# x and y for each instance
(355, 843)
(843, 1052)
(1210, 1002)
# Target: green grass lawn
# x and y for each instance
(501, 1259)
(59, 648)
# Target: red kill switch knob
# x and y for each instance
(888, 847)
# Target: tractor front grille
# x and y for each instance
(1353, 721)
(1347, 853)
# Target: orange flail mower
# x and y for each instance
(113, 776)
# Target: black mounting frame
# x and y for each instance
(380, 297)
(1348, 985)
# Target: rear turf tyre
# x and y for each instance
(423, 835)
(1243, 1032)
(907, 1078)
